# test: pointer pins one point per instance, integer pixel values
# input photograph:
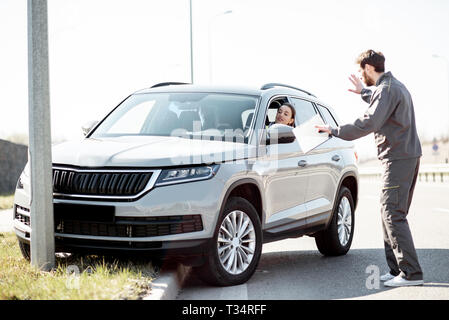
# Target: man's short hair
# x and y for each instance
(373, 58)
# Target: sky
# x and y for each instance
(100, 51)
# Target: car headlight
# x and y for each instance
(25, 175)
(181, 175)
(19, 183)
(26, 170)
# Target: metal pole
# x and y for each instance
(210, 40)
(191, 45)
(42, 234)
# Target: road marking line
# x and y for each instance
(441, 210)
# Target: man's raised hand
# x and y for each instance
(358, 85)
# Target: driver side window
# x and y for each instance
(272, 110)
(304, 110)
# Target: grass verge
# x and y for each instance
(6, 202)
(74, 278)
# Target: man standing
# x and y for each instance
(391, 117)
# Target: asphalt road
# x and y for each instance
(294, 269)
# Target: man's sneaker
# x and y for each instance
(401, 282)
(386, 277)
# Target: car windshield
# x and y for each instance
(182, 115)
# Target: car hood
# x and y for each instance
(147, 151)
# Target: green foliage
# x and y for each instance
(6, 202)
(74, 278)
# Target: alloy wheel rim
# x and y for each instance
(236, 242)
(344, 222)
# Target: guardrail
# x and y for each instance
(427, 172)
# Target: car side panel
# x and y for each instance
(323, 176)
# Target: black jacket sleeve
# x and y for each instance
(380, 109)
(366, 95)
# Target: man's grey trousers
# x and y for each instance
(399, 179)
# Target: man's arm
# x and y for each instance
(380, 109)
(366, 95)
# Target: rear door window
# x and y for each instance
(307, 118)
(327, 116)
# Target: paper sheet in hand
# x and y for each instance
(307, 135)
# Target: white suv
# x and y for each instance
(195, 173)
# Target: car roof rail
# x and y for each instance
(272, 85)
(163, 84)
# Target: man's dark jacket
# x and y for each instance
(391, 117)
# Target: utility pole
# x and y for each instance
(42, 223)
(210, 40)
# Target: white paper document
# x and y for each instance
(307, 135)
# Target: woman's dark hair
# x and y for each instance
(373, 58)
(293, 111)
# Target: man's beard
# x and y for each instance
(368, 81)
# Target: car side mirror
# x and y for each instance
(280, 133)
(88, 126)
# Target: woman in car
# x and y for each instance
(285, 115)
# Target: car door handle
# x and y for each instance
(302, 163)
(336, 158)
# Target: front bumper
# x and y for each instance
(174, 220)
(102, 244)
(190, 252)
(182, 249)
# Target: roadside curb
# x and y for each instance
(169, 282)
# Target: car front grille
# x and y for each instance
(132, 228)
(100, 221)
(98, 183)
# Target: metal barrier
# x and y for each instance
(427, 173)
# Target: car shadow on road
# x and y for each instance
(304, 275)
(309, 275)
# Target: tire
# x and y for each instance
(25, 250)
(233, 259)
(337, 238)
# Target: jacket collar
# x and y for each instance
(383, 77)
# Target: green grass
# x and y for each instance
(6, 202)
(74, 278)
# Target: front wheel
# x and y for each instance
(236, 247)
(337, 238)
(25, 250)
